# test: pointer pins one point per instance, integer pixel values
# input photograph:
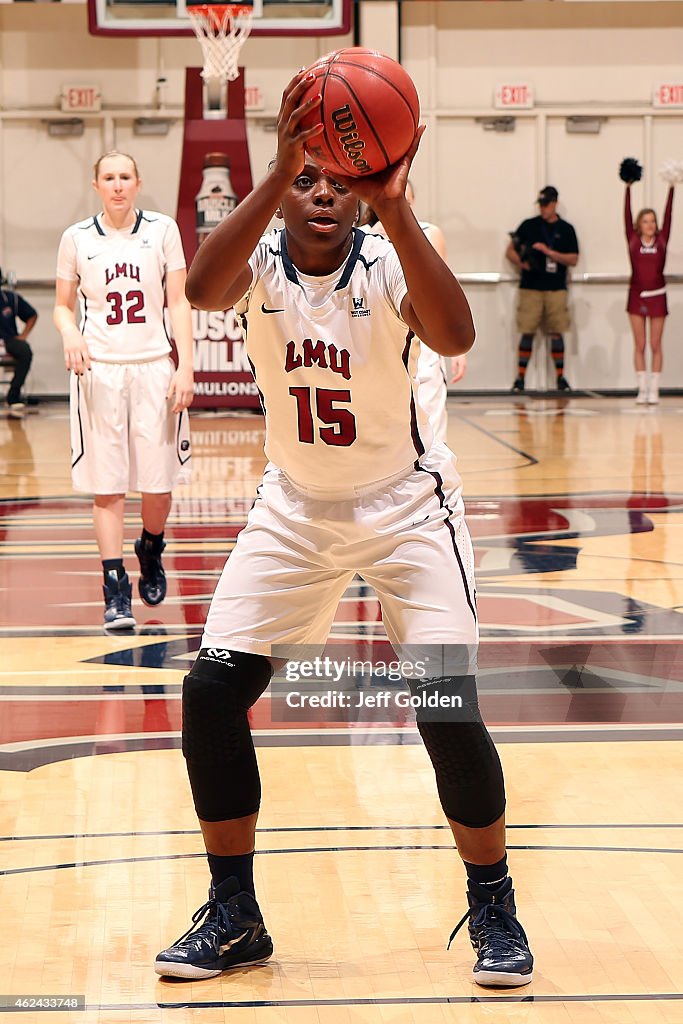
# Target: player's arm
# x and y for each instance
(435, 236)
(181, 389)
(220, 272)
(435, 307)
(458, 368)
(76, 355)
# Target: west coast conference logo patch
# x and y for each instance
(359, 308)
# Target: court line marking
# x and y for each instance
(394, 847)
(335, 828)
(383, 1001)
(531, 461)
(380, 728)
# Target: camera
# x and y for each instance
(527, 253)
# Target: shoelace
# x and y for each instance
(208, 910)
(504, 931)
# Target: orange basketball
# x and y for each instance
(370, 111)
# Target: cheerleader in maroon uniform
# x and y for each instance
(647, 292)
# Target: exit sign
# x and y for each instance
(514, 96)
(668, 94)
(82, 99)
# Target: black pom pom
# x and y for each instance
(630, 170)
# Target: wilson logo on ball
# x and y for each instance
(350, 140)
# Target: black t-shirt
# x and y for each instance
(558, 235)
(13, 305)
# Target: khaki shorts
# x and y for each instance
(548, 311)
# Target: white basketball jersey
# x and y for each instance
(335, 365)
(121, 277)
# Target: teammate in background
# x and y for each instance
(13, 307)
(129, 431)
(431, 369)
(647, 291)
(543, 247)
(353, 485)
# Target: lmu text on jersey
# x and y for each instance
(328, 357)
(123, 270)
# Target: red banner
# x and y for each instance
(215, 152)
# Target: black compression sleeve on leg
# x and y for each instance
(469, 775)
(217, 743)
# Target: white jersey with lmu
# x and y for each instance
(121, 277)
(335, 367)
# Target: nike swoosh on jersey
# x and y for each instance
(264, 309)
(94, 257)
(226, 945)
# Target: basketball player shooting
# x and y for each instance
(354, 485)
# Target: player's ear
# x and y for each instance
(279, 214)
(357, 217)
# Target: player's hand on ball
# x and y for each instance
(76, 355)
(291, 139)
(181, 388)
(389, 186)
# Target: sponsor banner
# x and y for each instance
(215, 172)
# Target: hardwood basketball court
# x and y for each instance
(576, 508)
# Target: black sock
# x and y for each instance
(113, 565)
(241, 866)
(154, 541)
(490, 876)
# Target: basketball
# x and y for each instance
(370, 111)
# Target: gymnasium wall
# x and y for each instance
(598, 59)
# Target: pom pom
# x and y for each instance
(630, 170)
(672, 171)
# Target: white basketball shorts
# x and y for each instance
(297, 554)
(124, 436)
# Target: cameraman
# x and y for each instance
(543, 247)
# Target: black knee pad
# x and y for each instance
(469, 776)
(217, 743)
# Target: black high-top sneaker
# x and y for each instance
(152, 582)
(228, 931)
(497, 937)
(117, 598)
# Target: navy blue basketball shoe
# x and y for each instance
(152, 582)
(497, 937)
(117, 602)
(228, 931)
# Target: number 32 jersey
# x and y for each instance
(121, 283)
(335, 366)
